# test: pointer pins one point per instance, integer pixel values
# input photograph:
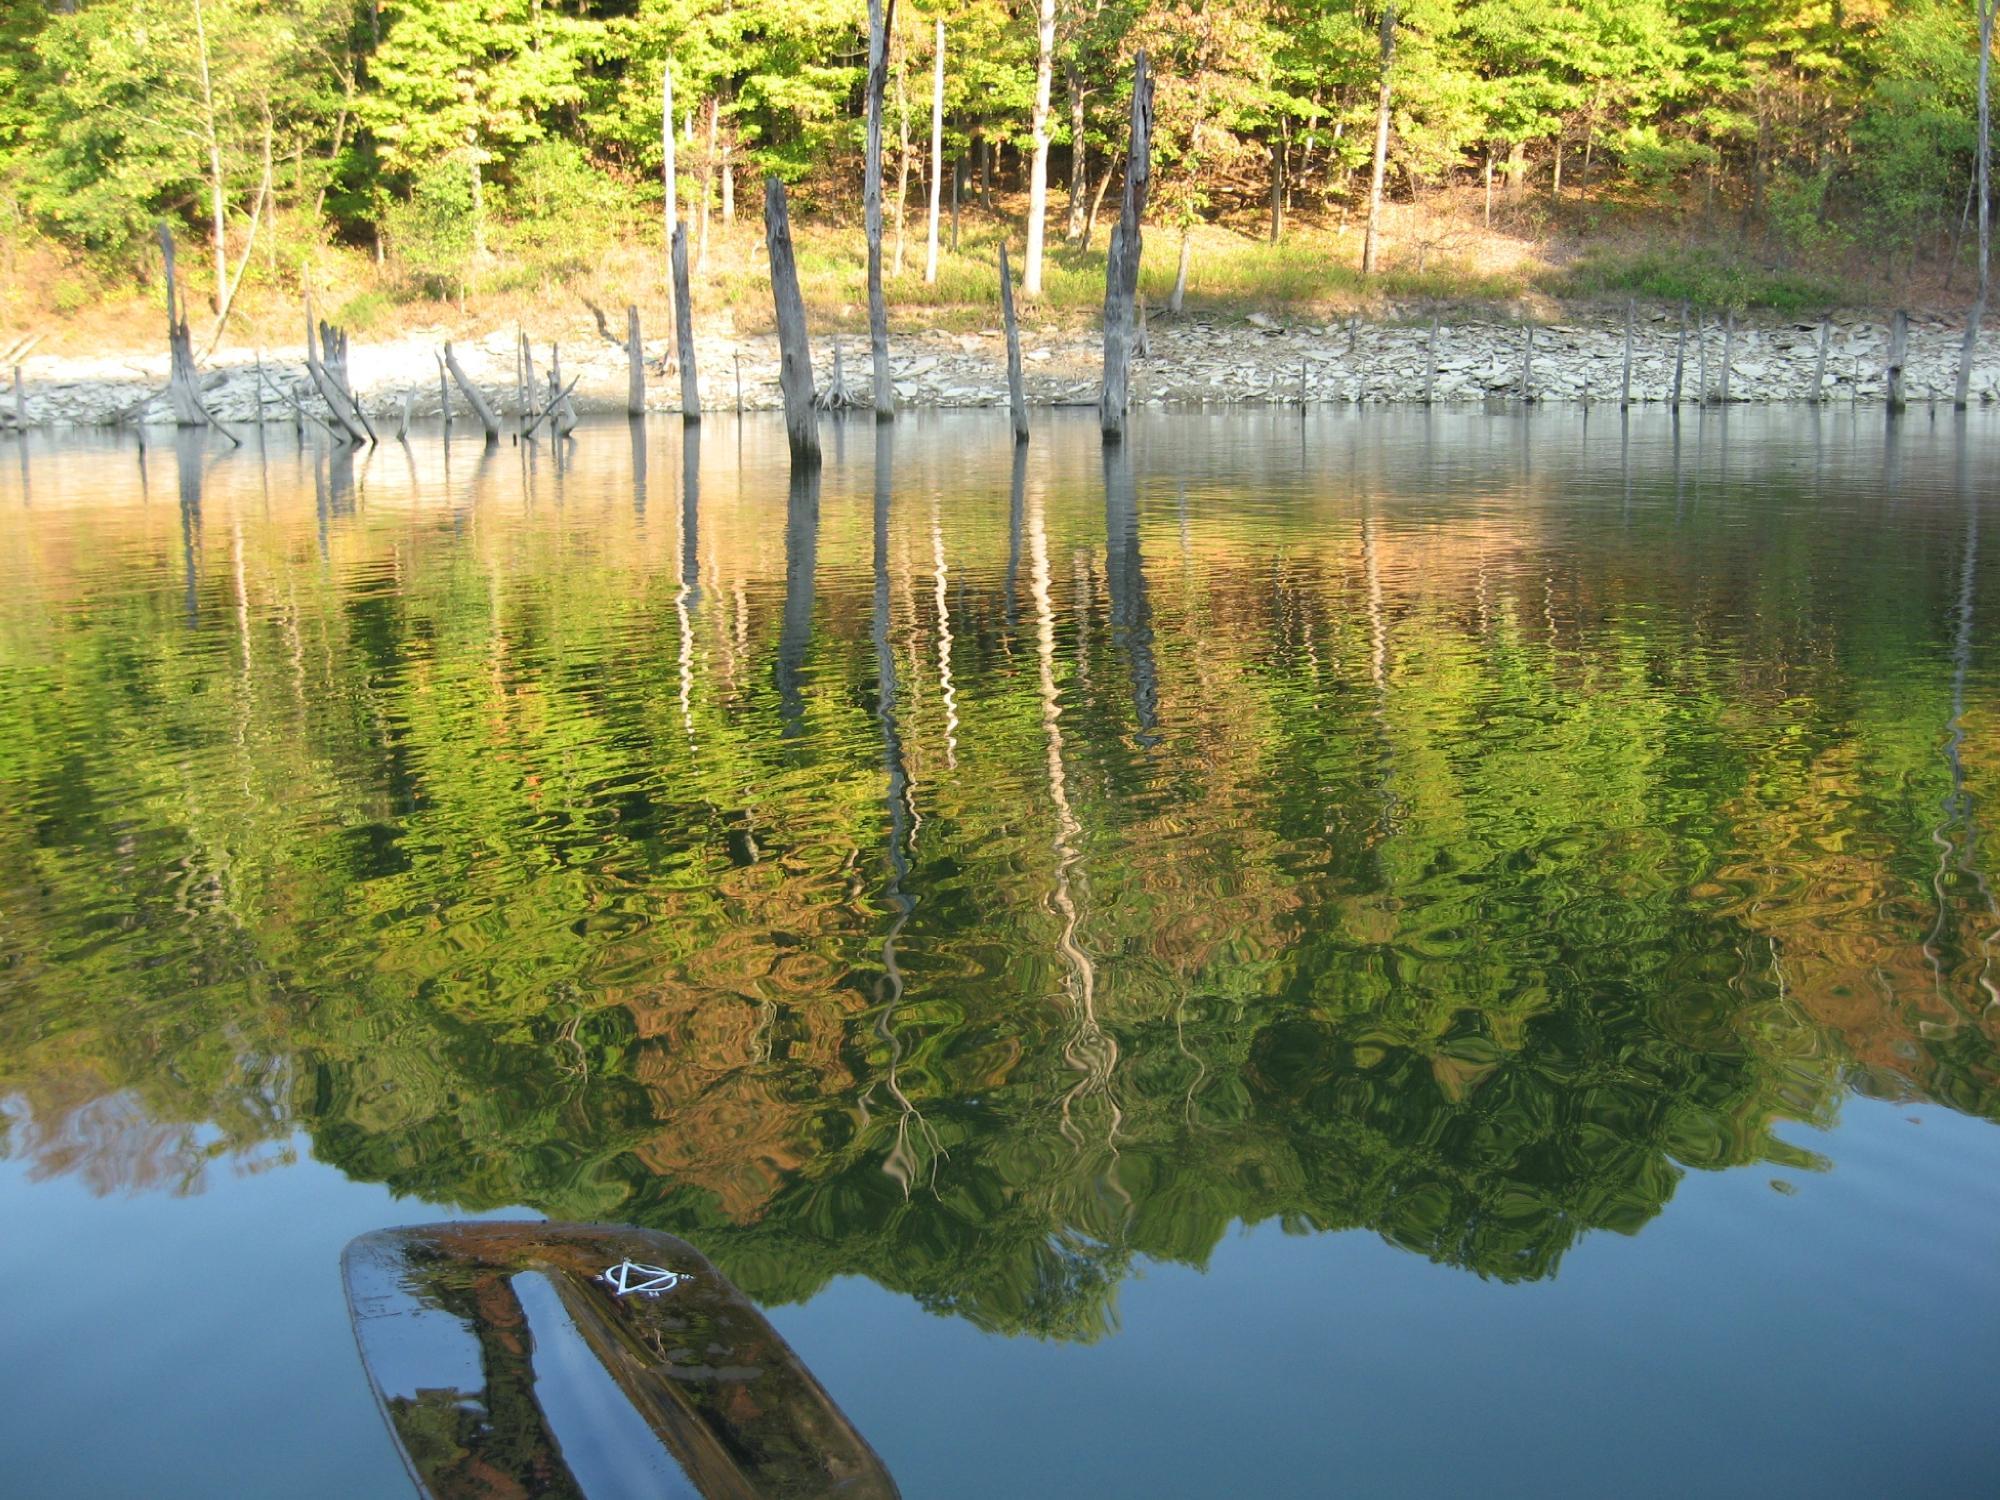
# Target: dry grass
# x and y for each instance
(1437, 253)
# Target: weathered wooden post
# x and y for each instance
(487, 417)
(1819, 364)
(20, 401)
(736, 357)
(880, 18)
(1680, 355)
(1728, 351)
(795, 377)
(684, 329)
(403, 414)
(444, 395)
(1701, 361)
(1625, 377)
(323, 364)
(1528, 366)
(1431, 364)
(1017, 395)
(1899, 348)
(635, 365)
(1121, 266)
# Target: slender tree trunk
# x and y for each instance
(1181, 273)
(684, 329)
(880, 19)
(672, 216)
(635, 367)
(1962, 393)
(902, 150)
(1121, 266)
(707, 184)
(1097, 198)
(1079, 160)
(1038, 170)
(1371, 245)
(1017, 397)
(1488, 176)
(795, 375)
(937, 156)
(216, 187)
(728, 178)
(1278, 185)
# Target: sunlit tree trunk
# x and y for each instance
(1079, 160)
(218, 227)
(1962, 394)
(1038, 171)
(1372, 243)
(937, 157)
(879, 22)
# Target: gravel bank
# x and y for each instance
(1191, 361)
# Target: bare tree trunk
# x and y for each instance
(1038, 171)
(795, 375)
(1372, 242)
(183, 390)
(1097, 198)
(1121, 266)
(635, 366)
(1899, 348)
(1079, 160)
(218, 232)
(1488, 176)
(707, 185)
(937, 157)
(249, 244)
(728, 180)
(902, 151)
(1017, 396)
(1181, 274)
(672, 215)
(1962, 393)
(1625, 376)
(684, 328)
(1278, 184)
(880, 19)
(488, 418)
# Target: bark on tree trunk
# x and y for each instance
(1079, 160)
(1038, 170)
(1962, 392)
(707, 184)
(1181, 274)
(684, 328)
(667, 185)
(880, 18)
(795, 377)
(902, 152)
(1372, 242)
(1017, 396)
(1121, 267)
(937, 158)
(635, 366)
(488, 418)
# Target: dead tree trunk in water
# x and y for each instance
(880, 18)
(1625, 377)
(684, 328)
(473, 397)
(635, 366)
(183, 389)
(937, 162)
(1121, 267)
(795, 377)
(1819, 364)
(1899, 348)
(1680, 358)
(1017, 397)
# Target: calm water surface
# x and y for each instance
(1377, 955)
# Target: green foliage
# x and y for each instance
(561, 210)
(1704, 279)
(433, 231)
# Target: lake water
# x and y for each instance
(1380, 954)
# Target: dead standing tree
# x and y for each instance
(795, 377)
(1121, 266)
(684, 329)
(183, 386)
(881, 17)
(1962, 392)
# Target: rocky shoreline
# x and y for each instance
(1190, 361)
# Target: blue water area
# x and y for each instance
(1364, 953)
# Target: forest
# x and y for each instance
(441, 145)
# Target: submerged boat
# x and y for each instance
(589, 1361)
